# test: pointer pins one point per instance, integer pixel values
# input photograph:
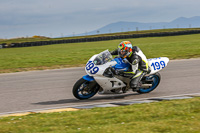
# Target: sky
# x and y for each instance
(58, 18)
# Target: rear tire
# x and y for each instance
(155, 82)
(84, 89)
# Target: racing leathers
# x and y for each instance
(139, 66)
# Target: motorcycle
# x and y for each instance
(101, 78)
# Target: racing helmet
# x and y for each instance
(124, 49)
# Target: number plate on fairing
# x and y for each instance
(91, 68)
(156, 64)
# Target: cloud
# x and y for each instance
(23, 17)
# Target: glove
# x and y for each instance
(113, 70)
(117, 72)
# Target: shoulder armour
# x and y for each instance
(135, 49)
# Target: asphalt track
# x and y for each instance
(39, 90)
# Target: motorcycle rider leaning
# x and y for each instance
(137, 60)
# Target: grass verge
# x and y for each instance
(77, 54)
(176, 116)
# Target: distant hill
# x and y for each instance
(124, 26)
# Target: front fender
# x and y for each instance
(88, 78)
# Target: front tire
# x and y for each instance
(155, 82)
(84, 89)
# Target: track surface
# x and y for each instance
(53, 88)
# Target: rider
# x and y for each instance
(138, 61)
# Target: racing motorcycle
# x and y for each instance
(101, 78)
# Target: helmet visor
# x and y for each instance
(122, 53)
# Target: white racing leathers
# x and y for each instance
(139, 66)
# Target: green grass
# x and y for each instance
(177, 116)
(77, 54)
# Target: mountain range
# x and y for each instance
(123, 26)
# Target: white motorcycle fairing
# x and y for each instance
(106, 83)
(98, 63)
(157, 64)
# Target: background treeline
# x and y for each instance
(98, 38)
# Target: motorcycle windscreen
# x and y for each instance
(103, 58)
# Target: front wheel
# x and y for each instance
(154, 80)
(84, 89)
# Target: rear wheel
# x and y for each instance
(154, 80)
(84, 89)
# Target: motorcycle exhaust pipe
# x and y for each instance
(146, 85)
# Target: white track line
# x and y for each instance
(71, 106)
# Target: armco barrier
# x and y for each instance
(103, 38)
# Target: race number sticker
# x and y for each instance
(158, 65)
(90, 67)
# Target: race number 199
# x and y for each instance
(90, 67)
(158, 65)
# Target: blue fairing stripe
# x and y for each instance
(88, 78)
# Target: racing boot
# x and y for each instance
(135, 83)
(135, 87)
